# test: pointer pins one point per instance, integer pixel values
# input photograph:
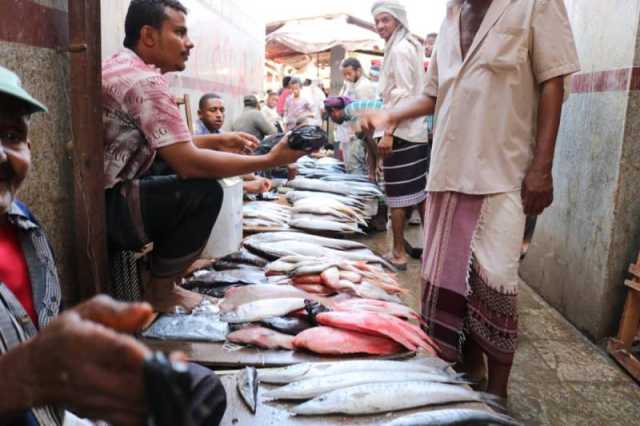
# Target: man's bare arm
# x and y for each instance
(391, 118)
(189, 161)
(537, 188)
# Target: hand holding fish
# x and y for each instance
(281, 154)
(83, 363)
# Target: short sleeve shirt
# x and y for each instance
(487, 104)
(140, 116)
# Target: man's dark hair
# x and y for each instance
(307, 82)
(250, 101)
(432, 35)
(295, 80)
(353, 63)
(205, 98)
(146, 12)
(286, 81)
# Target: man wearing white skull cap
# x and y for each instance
(404, 148)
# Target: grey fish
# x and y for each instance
(374, 398)
(320, 224)
(308, 370)
(248, 387)
(245, 257)
(263, 309)
(453, 417)
(333, 243)
(191, 327)
(276, 250)
(342, 188)
(294, 196)
(232, 276)
(312, 387)
(287, 325)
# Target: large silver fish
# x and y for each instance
(263, 309)
(374, 398)
(351, 188)
(334, 243)
(282, 375)
(323, 224)
(238, 296)
(316, 386)
(454, 417)
(318, 197)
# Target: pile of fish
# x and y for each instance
(265, 214)
(275, 245)
(283, 316)
(330, 275)
(376, 386)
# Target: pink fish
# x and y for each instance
(261, 337)
(333, 341)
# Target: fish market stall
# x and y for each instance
(395, 393)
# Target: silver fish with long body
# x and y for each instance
(316, 386)
(454, 417)
(374, 398)
(282, 375)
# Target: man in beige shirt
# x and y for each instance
(404, 148)
(496, 85)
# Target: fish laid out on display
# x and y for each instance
(454, 417)
(332, 243)
(408, 335)
(247, 383)
(320, 197)
(375, 398)
(342, 188)
(263, 309)
(244, 257)
(313, 387)
(292, 373)
(287, 325)
(261, 337)
(188, 327)
(334, 341)
(321, 224)
(237, 296)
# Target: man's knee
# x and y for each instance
(209, 396)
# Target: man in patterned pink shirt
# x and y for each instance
(141, 121)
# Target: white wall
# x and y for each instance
(228, 57)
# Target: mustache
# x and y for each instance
(6, 172)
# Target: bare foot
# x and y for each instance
(167, 300)
(199, 264)
(399, 261)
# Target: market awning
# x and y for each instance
(289, 40)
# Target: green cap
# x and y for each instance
(10, 85)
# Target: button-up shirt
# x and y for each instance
(403, 79)
(15, 325)
(140, 116)
(487, 103)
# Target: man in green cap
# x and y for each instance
(82, 360)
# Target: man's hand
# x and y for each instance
(537, 191)
(239, 142)
(370, 121)
(82, 363)
(385, 146)
(257, 186)
(281, 154)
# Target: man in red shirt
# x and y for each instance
(82, 360)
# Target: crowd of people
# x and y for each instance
(495, 86)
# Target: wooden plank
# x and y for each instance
(88, 149)
(630, 321)
(216, 356)
(276, 412)
(625, 358)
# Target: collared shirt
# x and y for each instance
(272, 116)
(15, 325)
(202, 129)
(364, 89)
(487, 104)
(403, 79)
(140, 116)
